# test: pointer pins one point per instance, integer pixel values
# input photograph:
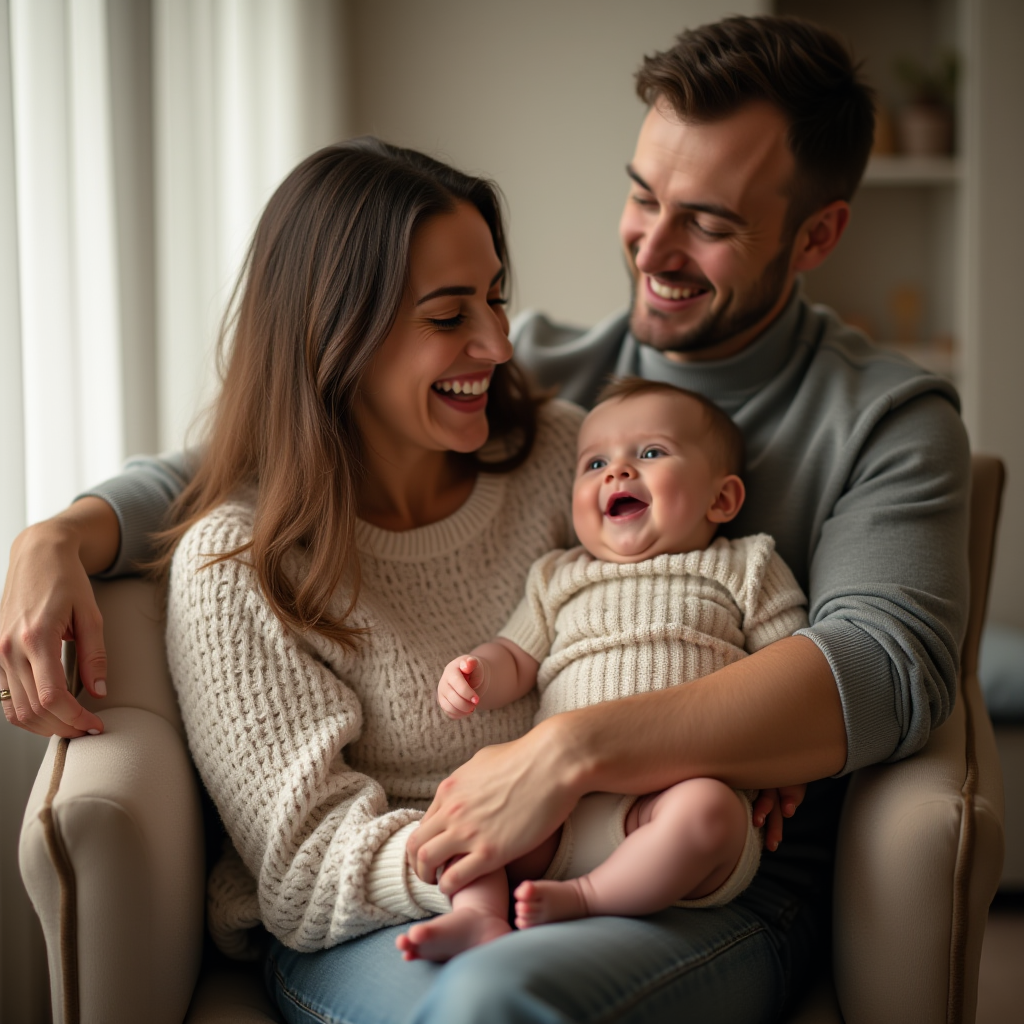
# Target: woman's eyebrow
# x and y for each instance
(713, 209)
(459, 289)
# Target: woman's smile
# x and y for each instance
(466, 392)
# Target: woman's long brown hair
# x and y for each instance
(319, 292)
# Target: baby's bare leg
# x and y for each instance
(682, 843)
(479, 914)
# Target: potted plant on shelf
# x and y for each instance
(925, 124)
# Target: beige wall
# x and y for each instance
(537, 94)
(994, 403)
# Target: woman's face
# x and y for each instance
(426, 390)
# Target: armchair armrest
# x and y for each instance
(112, 857)
(918, 859)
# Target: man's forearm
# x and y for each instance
(772, 719)
(91, 525)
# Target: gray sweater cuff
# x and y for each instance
(140, 498)
(863, 674)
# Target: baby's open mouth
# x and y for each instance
(622, 505)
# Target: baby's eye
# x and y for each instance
(652, 453)
(596, 464)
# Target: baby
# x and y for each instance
(648, 601)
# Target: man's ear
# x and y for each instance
(820, 234)
(729, 501)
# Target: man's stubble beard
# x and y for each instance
(724, 324)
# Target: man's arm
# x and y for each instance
(772, 719)
(47, 596)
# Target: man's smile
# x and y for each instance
(676, 292)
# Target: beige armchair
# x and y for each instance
(112, 851)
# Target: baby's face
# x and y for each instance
(646, 478)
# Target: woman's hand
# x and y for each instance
(503, 802)
(48, 598)
(771, 806)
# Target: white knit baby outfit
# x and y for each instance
(320, 760)
(605, 630)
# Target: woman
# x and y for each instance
(375, 484)
(348, 528)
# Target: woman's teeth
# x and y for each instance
(667, 292)
(463, 387)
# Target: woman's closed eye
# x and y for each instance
(447, 323)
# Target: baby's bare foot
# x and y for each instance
(544, 902)
(444, 937)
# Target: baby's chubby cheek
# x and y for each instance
(587, 520)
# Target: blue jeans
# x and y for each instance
(739, 964)
(732, 964)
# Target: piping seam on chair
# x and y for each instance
(962, 877)
(66, 881)
(968, 827)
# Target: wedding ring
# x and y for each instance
(5, 694)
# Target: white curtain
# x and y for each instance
(138, 143)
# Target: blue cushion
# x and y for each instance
(1001, 672)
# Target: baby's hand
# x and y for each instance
(771, 806)
(462, 681)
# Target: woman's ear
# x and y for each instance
(728, 502)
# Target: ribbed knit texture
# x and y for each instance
(602, 630)
(319, 760)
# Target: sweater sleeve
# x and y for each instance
(140, 497)
(889, 581)
(532, 626)
(773, 604)
(268, 722)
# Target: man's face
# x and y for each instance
(703, 230)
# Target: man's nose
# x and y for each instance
(662, 247)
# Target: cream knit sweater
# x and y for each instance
(602, 630)
(321, 761)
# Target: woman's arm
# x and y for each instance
(772, 719)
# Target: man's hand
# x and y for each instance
(463, 682)
(48, 598)
(504, 801)
(771, 806)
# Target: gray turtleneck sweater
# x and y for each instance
(858, 466)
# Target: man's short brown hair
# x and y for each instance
(727, 436)
(801, 69)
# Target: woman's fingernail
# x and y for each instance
(100, 686)
(93, 732)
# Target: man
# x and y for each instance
(756, 136)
